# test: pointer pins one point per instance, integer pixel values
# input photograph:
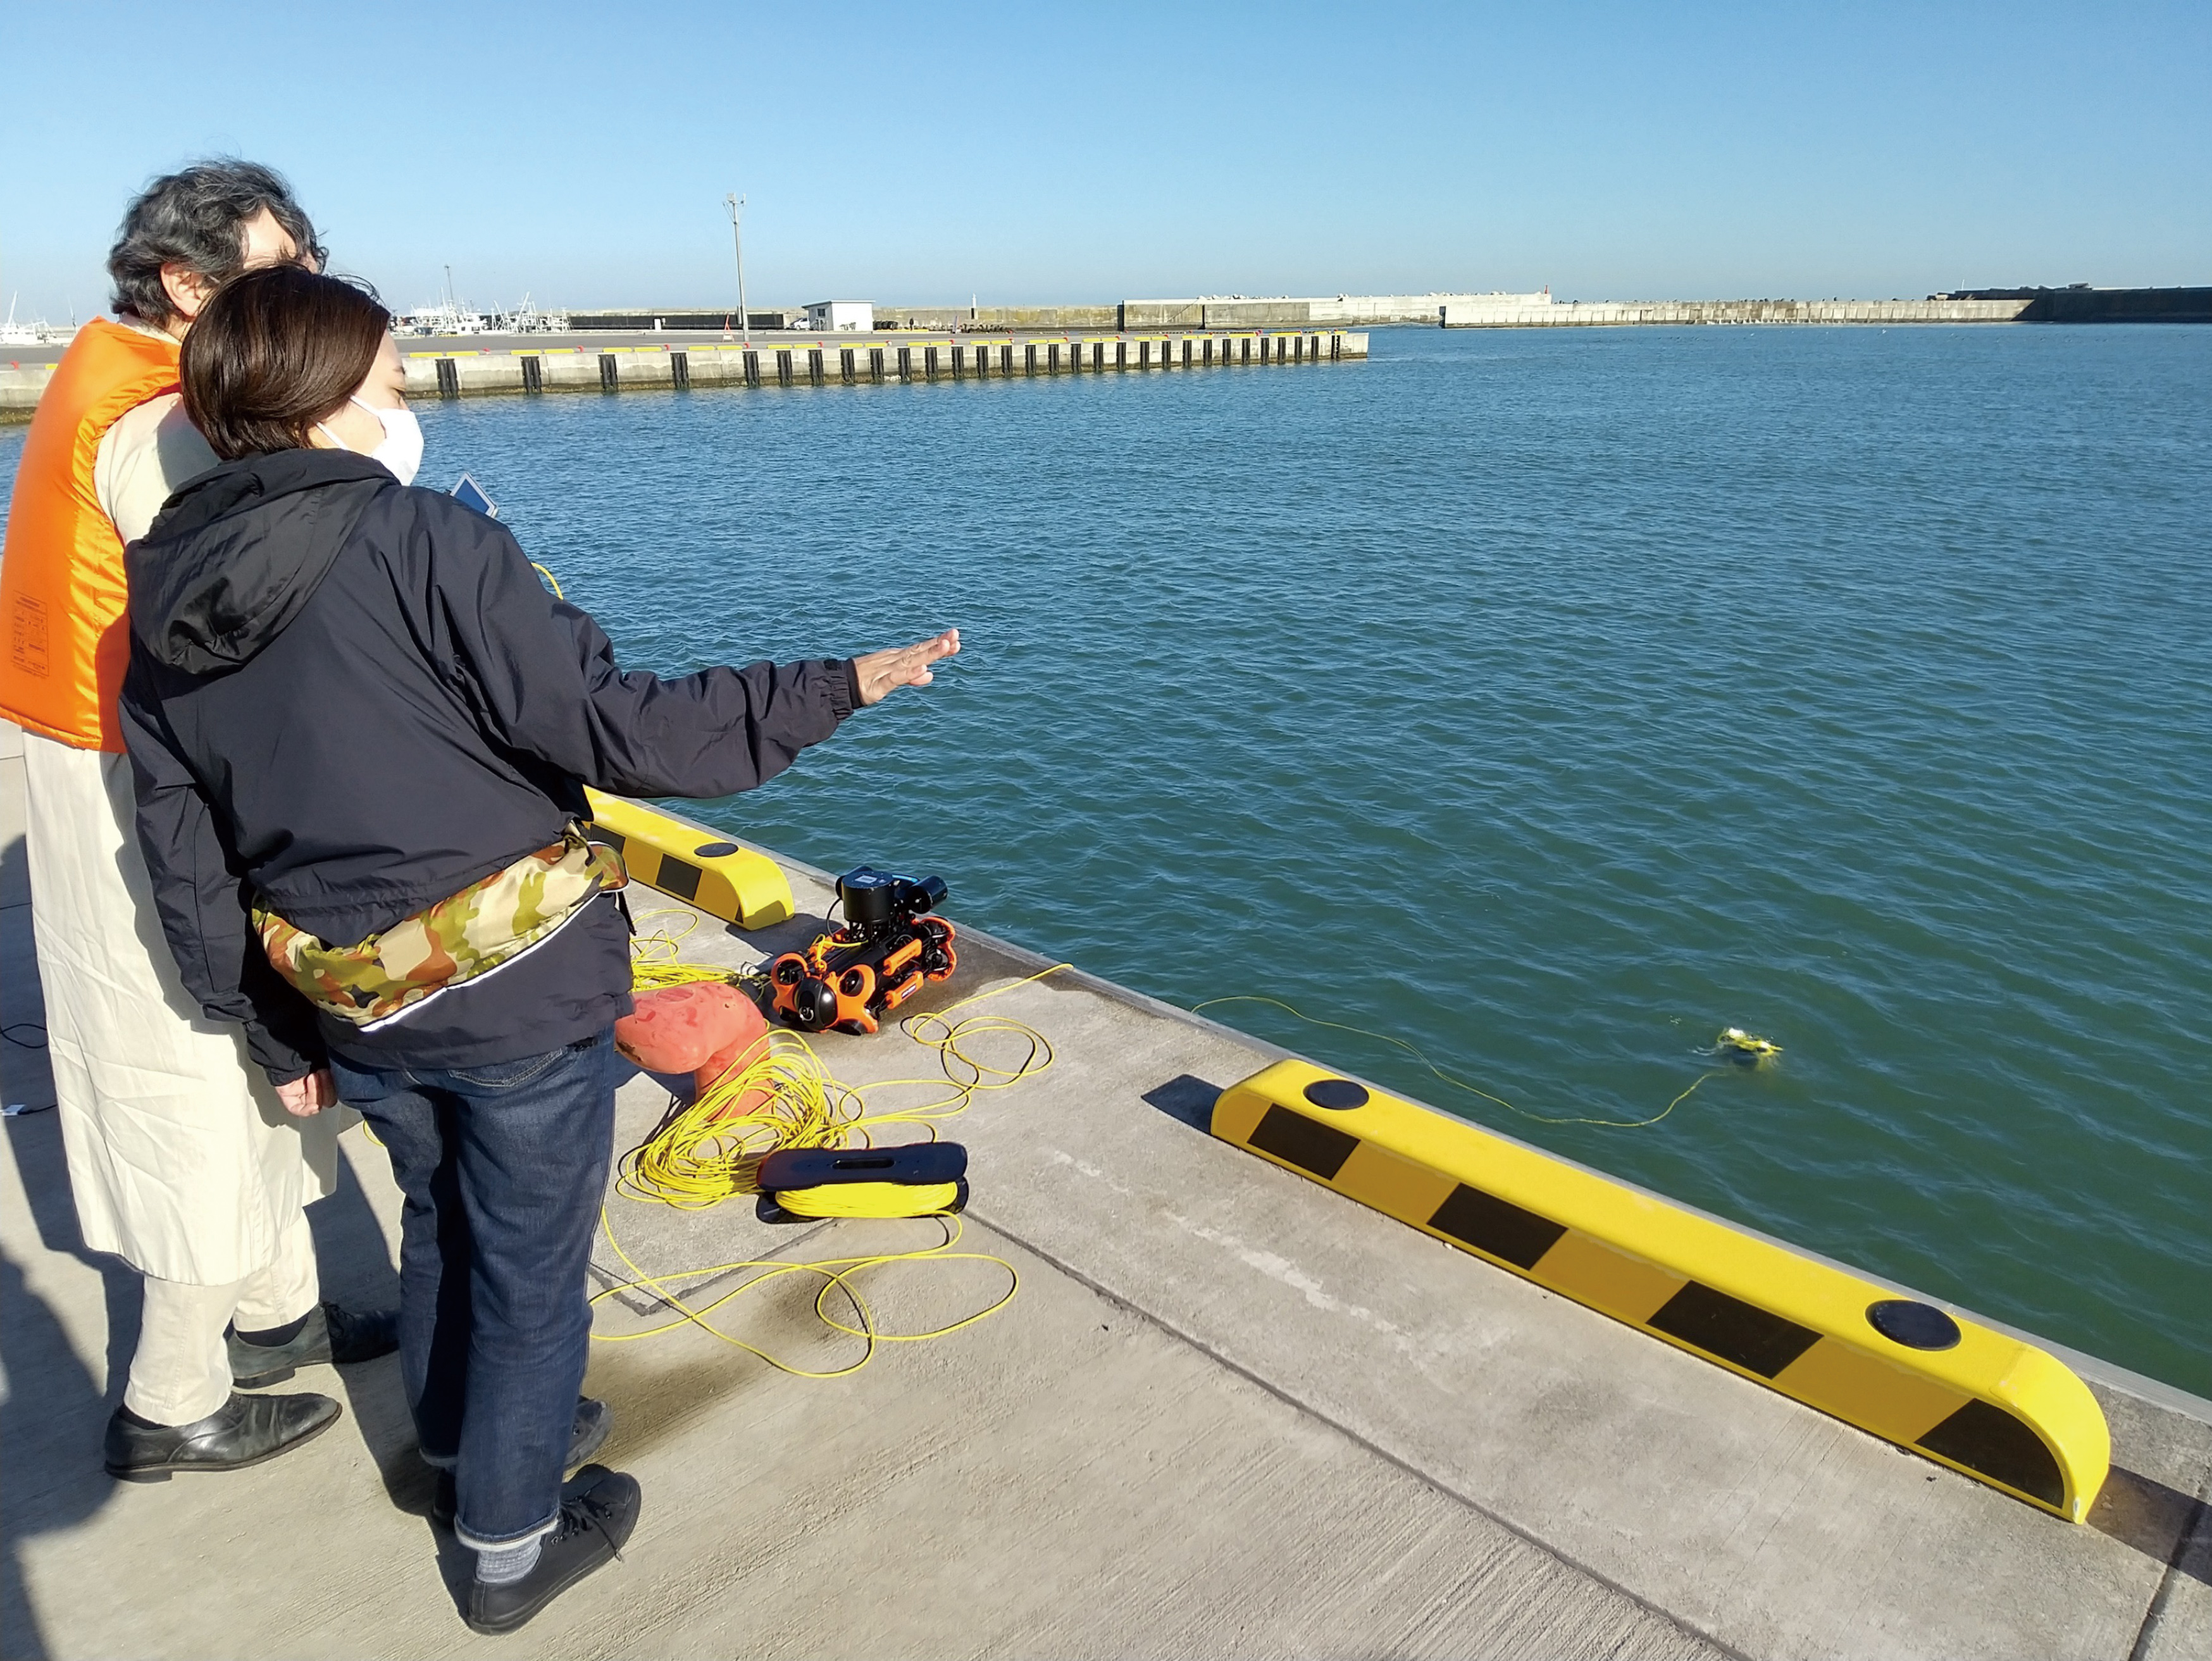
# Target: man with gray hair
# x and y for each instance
(188, 1157)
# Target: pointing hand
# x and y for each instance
(881, 673)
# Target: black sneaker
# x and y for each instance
(599, 1510)
(244, 1431)
(588, 1433)
(331, 1335)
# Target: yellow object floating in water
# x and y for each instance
(1738, 1045)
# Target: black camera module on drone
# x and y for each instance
(851, 978)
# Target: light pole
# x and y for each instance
(736, 204)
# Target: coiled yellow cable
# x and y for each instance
(870, 1199)
(710, 1150)
(654, 959)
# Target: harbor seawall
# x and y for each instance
(1495, 310)
(677, 347)
(457, 368)
(1236, 311)
(1518, 312)
(469, 366)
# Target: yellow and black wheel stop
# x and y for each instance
(722, 878)
(1998, 1409)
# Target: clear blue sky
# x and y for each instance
(1019, 153)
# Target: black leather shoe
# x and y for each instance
(331, 1335)
(597, 1511)
(588, 1433)
(244, 1431)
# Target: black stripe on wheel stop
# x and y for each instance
(1751, 1337)
(1497, 1226)
(1988, 1439)
(1319, 1148)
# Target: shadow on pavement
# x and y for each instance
(354, 1264)
(1186, 1098)
(2159, 1522)
(35, 1140)
(55, 1410)
(51, 1416)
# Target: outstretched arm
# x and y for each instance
(544, 677)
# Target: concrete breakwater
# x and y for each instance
(458, 369)
(1203, 312)
(468, 365)
(1492, 310)
(1542, 311)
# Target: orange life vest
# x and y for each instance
(61, 578)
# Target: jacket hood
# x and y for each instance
(240, 549)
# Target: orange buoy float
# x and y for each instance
(708, 1029)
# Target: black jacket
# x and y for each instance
(354, 699)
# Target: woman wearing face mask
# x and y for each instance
(376, 421)
(361, 729)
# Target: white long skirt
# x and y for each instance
(181, 1160)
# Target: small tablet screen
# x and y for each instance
(469, 496)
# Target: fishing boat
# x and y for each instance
(13, 333)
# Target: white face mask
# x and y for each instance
(401, 451)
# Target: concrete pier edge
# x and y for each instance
(1230, 1413)
(2092, 1368)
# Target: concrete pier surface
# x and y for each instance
(1228, 1413)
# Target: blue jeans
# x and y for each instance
(503, 1168)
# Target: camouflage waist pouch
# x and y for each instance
(486, 926)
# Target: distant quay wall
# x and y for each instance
(1476, 311)
(468, 368)
(1236, 311)
(25, 369)
(1522, 313)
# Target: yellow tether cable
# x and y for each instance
(1734, 1041)
(870, 1199)
(709, 1151)
(703, 1153)
(654, 959)
(836, 1276)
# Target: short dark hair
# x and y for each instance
(196, 216)
(275, 351)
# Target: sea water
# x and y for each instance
(1551, 700)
